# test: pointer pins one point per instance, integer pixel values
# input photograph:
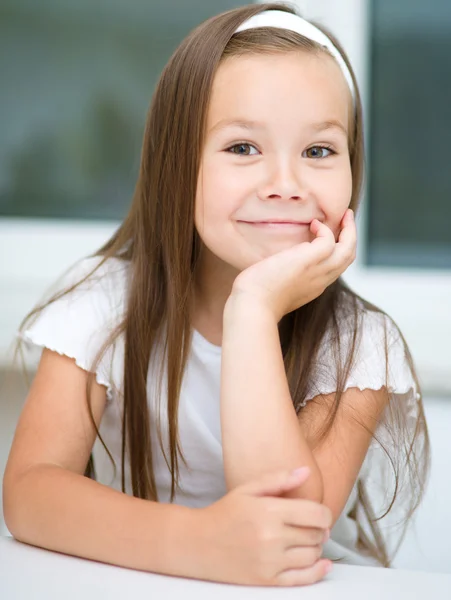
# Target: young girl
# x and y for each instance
(245, 396)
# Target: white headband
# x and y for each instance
(287, 20)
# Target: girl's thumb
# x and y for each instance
(275, 484)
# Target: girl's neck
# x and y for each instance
(212, 287)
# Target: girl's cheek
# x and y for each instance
(334, 224)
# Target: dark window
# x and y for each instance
(410, 125)
(77, 79)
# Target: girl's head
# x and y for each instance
(259, 124)
(278, 132)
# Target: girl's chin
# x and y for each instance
(276, 246)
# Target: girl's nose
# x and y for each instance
(282, 182)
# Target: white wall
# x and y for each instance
(428, 543)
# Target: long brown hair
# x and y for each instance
(159, 240)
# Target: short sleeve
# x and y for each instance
(380, 359)
(79, 323)
(390, 475)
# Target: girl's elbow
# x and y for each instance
(312, 489)
(10, 508)
(16, 505)
(317, 487)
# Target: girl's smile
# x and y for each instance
(278, 228)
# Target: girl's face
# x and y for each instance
(276, 148)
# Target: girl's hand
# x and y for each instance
(291, 278)
(253, 537)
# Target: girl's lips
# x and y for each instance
(277, 226)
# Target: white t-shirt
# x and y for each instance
(78, 324)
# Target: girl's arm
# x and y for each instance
(260, 429)
(246, 537)
(49, 503)
(341, 454)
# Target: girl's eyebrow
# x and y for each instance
(243, 123)
(252, 125)
(331, 124)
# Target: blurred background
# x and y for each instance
(77, 79)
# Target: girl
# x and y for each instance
(242, 390)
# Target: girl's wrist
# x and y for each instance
(241, 304)
(185, 547)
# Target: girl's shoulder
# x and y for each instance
(97, 274)
(361, 326)
(81, 312)
(91, 294)
(368, 345)
(382, 357)
(371, 327)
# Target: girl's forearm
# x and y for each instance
(260, 428)
(56, 509)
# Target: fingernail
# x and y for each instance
(301, 471)
(326, 536)
(329, 566)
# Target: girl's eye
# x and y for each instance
(319, 152)
(242, 149)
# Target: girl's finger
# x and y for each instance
(304, 536)
(321, 230)
(339, 261)
(348, 232)
(303, 513)
(345, 248)
(316, 572)
(302, 557)
(324, 242)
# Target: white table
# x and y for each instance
(34, 574)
